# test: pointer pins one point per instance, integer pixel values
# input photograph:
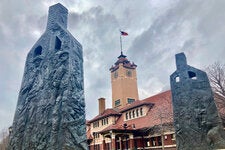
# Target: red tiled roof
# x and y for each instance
(106, 113)
(162, 109)
(87, 122)
(135, 104)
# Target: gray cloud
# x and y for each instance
(183, 27)
(157, 31)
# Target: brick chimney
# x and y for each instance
(101, 105)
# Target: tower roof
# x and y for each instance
(123, 60)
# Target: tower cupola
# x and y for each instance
(124, 61)
(124, 82)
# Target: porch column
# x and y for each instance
(121, 145)
(113, 141)
(103, 143)
(131, 137)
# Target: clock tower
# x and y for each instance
(124, 82)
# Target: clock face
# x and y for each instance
(129, 73)
(115, 74)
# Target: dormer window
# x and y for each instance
(133, 112)
(95, 124)
(105, 121)
(141, 111)
(130, 115)
(137, 112)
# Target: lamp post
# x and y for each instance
(94, 139)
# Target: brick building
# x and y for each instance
(132, 123)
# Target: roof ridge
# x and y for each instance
(161, 93)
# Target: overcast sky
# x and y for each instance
(158, 29)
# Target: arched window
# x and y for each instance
(38, 51)
(126, 116)
(130, 115)
(137, 112)
(141, 111)
(133, 114)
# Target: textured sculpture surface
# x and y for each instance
(196, 120)
(50, 112)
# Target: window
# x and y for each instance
(117, 102)
(105, 121)
(37, 51)
(152, 141)
(141, 111)
(129, 73)
(137, 112)
(57, 43)
(130, 100)
(165, 137)
(192, 75)
(115, 74)
(177, 79)
(96, 124)
(96, 135)
(173, 137)
(133, 113)
(126, 116)
(148, 144)
(159, 140)
(130, 115)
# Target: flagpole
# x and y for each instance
(122, 33)
(121, 44)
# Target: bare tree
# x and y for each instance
(216, 75)
(164, 113)
(4, 138)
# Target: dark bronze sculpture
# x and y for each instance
(196, 120)
(50, 113)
